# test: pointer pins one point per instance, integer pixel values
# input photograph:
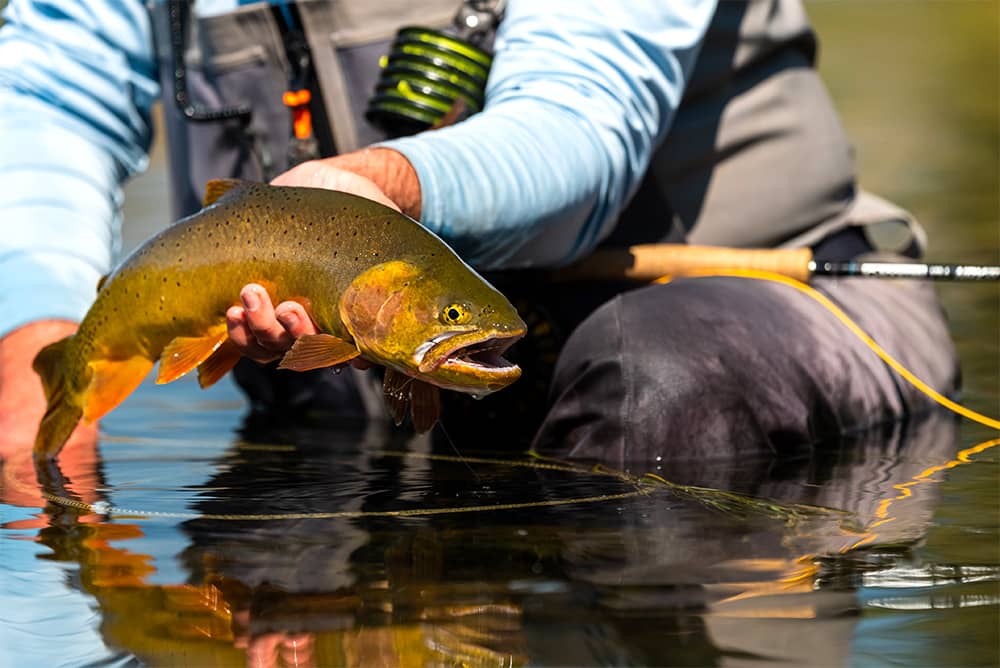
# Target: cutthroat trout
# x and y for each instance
(377, 284)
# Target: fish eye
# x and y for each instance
(455, 314)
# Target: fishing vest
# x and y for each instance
(755, 157)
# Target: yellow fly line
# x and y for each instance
(858, 332)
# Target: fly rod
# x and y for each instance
(648, 262)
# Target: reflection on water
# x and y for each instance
(370, 547)
(218, 541)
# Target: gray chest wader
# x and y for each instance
(755, 118)
(246, 59)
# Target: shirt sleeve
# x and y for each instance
(580, 94)
(77, 81)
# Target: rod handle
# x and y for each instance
(648, 262)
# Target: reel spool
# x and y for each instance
(429, 74)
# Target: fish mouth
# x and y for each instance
(475, 354)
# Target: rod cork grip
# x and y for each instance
(648, 262)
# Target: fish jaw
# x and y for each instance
(469, 361)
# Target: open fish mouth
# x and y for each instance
(483, 357)
(474, 353)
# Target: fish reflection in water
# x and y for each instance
(292, 559)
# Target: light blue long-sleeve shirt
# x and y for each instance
(580, 94)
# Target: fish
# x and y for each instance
(378, 285)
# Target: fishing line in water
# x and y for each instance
(642, 488)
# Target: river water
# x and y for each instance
(221, 543)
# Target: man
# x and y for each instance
(605, 123)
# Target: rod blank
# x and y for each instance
(648, 262)
(934, 272)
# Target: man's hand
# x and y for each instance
(22, 401)
(22, 405)
(264, 332)
(380, 174)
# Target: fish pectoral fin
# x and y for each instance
(425, 405)
(218, 364)
(316, 351)
(110, 382)
(216, 188)
(397, 394)
(186, 352)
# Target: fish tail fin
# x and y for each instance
(64, 410)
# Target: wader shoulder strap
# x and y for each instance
(331, 26)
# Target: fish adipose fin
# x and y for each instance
(110, 382)
(316, 351)
(186, 352)
(216, 188)
(63, 411)
(218, 364)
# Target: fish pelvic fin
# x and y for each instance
(63, 409)
(218, 364)
(316, 351)
(425, 405)
(110, 382)
(422, 399)
(216, 188)
(184, 353)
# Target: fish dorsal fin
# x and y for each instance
(216, 188)
(218, 364)
(101, 281)
(110, 382)
(395, 386)
(316, 351)
(186, 352)
(425, 405)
